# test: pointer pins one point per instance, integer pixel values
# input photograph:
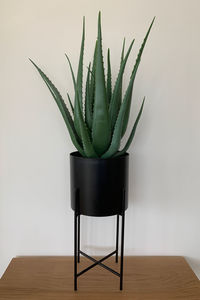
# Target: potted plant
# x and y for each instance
(96, 124)
(97, 127)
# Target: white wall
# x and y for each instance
(163, 215)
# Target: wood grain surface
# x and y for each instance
(51, 278)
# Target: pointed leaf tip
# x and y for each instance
(152, 22)
(99, 18)
(84, 24)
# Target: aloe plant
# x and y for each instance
(99, 118)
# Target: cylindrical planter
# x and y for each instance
(99, 187)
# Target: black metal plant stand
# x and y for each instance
(78, 251)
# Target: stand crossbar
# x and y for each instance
(99, 262)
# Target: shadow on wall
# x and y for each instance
(194, 264)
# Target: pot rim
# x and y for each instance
(79, 156)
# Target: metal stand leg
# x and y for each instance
(122, 252)
(78, 238)
(78, 252)
(117, 239)
(75, 251)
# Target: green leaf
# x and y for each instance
(132, 132)
(79, 83)
(122, 54)
(85, 136)
(129, 98)
(101, 128)
(92, 80)
(84, 133)
(63, 109)
(72, 73)
(117, 92)
(88, 106)
(120, 86)
(116, 138)
(70, 102)
(127, 113)
(75, 88)
(109, 78)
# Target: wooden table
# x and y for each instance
(145, 278)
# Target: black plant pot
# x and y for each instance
(99, 187)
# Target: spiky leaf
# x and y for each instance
(101, 129)
(63, 109)
(126, 117)
(85, 135)
(120, 85)
(92, 79)
(88, 100)
(84, 132)
(109, 78)
(116, 138)
(70, 103)
(132, 134)
(79, 83)
(116, 96)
